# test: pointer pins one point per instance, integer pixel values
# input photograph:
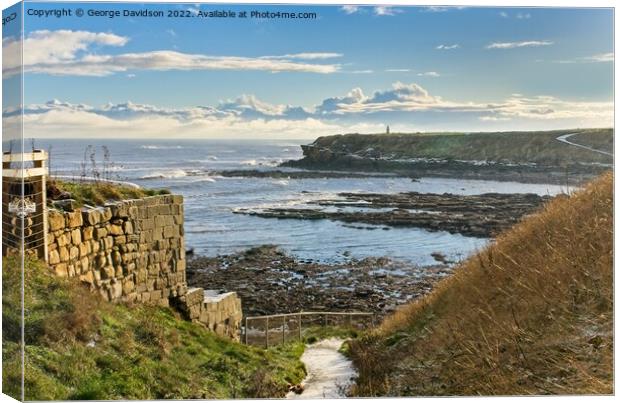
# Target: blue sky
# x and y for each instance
(350, 69)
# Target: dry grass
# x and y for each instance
(531, 314)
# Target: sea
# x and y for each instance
(212, 228)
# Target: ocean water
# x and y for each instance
(186, 167)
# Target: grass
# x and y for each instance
(100, 192)
(511, 147)
(530, 314)
(81, 347)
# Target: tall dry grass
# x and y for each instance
(531, 314)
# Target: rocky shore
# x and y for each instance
(481, 216)
(268, 281)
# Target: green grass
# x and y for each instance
(81, 347)
(98, 193)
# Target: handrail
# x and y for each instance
(298, 316)
(279, 315)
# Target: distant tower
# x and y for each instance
(387, 129)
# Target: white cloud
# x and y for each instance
(55, 47)
(503, 14)
(429, 74)
(71, 53)
(306, 56)
(386, 11)
(598, 58)
(447, 47)
(350, 9)
(397, 70)
(441, 9)
(512, 45)
(248, 116)
(361, 71)
(523, 16)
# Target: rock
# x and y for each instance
(65, 205)
(91, 216)
(56, 220)
(73, 219)
(53, 257)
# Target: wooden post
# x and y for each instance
(267, 333)
(299, 323)
(350, 321)
(283, 334)
(246, 330)
(325, 320)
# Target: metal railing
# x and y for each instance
(269, 330)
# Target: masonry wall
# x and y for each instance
(220, 313)
(132, 250)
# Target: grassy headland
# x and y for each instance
(81, 347)
(509, 147)
(519, 156)
(531, 314)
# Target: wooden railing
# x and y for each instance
(279, 328)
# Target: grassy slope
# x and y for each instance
(531, 314)
(135, 352)
(539, 147)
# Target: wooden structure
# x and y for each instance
(24, 203)
(282, 327)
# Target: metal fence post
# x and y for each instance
(299, 322)
(245, 331)
(283, 334)
(267, 333)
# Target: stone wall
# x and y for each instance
(129, 251)
(221, 313)
(134, 250)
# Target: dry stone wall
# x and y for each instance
(132, 250)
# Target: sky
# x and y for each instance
(349, 69)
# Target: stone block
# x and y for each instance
(128, 227)
(53, 257)
(107, 272)
(55, 220)
(116, 290)
(63, 253)
(85, 249)
(87, 233)
(128, 287)
(73, 219)
(63, 239)
(101, 233)
(76, 236)
(61, 270)
(114, 229)
(106, 214)
(91, 216)
(84, 264)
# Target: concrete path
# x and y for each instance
(330, 373)
(564, 139)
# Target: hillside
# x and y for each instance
(523, 156)
(531, 314)
(81, 347)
